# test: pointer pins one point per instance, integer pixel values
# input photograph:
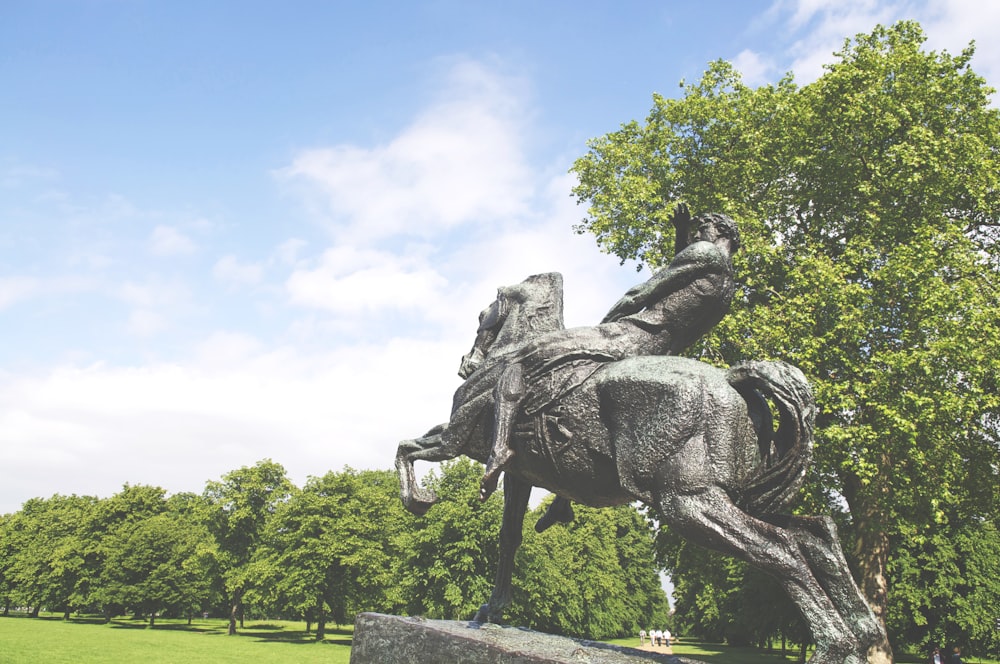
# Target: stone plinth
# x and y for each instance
(382, 639)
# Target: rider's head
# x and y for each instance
(723, 226)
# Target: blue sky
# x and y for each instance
(234, 231)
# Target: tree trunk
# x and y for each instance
(152, 618)
(871, 550)
(320, 622)
(234, 611)
(34, 611)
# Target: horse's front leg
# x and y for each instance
(429, 447)
(515, 503)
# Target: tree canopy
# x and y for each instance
(869, 204)
(339, 545)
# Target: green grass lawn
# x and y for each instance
(51, 640)
(83, 641)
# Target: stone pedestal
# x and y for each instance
(382, 639)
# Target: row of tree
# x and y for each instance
(341, 544)
(869, 205)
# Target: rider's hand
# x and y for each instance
(681, 218)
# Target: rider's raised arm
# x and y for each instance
(681, 219)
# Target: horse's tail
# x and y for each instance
(785, 454)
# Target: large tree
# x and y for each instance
(240, 504)
(45, 542)
(163, 563)
(869, 201)
(330, 550)
(105, 532)
(595, 577)
(450, 555)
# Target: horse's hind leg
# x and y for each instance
(817, 538)
(516, 493)
(432, 446)
(709, 518)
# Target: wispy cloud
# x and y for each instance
(230, 270)
(15, 289)
(448, 210)
(169, 241)
(350, 280)
(459, 161)
(818, 28)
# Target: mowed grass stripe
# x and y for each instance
(55, 641)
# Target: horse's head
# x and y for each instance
(518, 313)
(491, 319)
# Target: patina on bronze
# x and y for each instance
(608, 415)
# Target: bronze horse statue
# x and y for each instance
(694, 442)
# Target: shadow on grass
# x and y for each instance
(712, 653)
(337, 636)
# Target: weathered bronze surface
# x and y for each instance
(608, 415)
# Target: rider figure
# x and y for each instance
(662, 316)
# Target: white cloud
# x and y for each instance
(145, 323)
(819, 28)
(288, 251)
(228, 349)
(350, 280)
(232, 271)
(755, 68)
(459, 161)
(16, 289)
(156, 305)
(18, 175)
(178, 425)
(168, 241)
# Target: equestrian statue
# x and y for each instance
(610, 414)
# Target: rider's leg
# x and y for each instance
(507, 397)
(560, 510)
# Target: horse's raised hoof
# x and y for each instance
(488, 485)
(419, 502)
